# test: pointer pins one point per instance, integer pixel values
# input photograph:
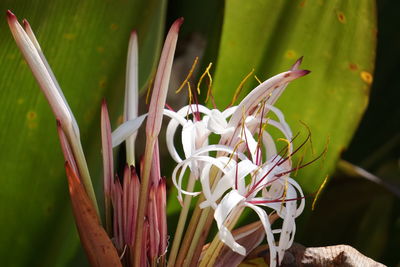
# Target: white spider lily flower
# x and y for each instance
(250, 171)
(238, 157)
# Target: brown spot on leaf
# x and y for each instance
(69, 36)
(341, 17)
(100, 49)
(353, 66)
(31, 115)
(103, 82)
(290, 54)
(366, 77)
(114, 27)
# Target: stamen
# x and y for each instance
(239, 88)
(261, 128)
(206, 72)
(237, 173)
(233, 152)
(284, 192)
(295, 151)
(321, 187)
(255, 202)
(300, 161)
(169, 107)
(284, 150)
(196, 102)
(243, 132)
(258, 80)
(188, 76)
(308, 129)
(304, 165)
(289, 144)
(256, 186)
(209, 92)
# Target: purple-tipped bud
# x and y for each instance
(161, 82)
(297, 64)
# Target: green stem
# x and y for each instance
(216, 245)
(76, 147)
(181, 223)
(196, 236)
(143, 198)
(189, 233)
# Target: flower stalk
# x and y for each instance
(153, 127)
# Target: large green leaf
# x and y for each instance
(85, 42)
(337, 39)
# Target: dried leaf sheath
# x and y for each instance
(98, 246)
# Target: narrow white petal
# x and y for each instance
(302, 200)
(224, 209)
(126, 129)
(286, 128)
(269, 145)
(131, 95)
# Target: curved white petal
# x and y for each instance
(269, 145)
(282, 120)
(182, 166)
(230, 201)
(268, 232)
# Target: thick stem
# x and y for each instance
(143, 199)
(189, 233)
(202, 240)
(216, 245)
(181, 223)
(196, 226)
(196, 237)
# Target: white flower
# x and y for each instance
(244, 169)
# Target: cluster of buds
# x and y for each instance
(243, 170)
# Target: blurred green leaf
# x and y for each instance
(85, 42)
(337, 39)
